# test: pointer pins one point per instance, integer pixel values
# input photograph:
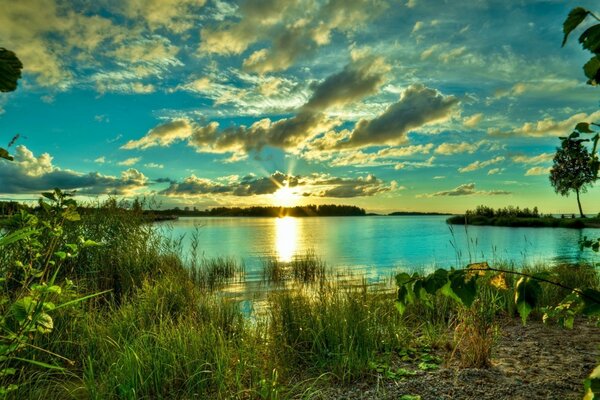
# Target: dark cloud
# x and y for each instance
(30, 174)
(361, 78)
(418, 106)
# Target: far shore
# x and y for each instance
(531, 222)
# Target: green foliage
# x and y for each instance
(589, 39)
(10, 70)
(29, 289)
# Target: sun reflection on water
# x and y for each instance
(286, 238)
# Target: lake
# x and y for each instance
(376, 246)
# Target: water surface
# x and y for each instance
(376, 245)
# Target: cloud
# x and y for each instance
(457, 148)
(162, 135)
(467, 189)
(539, 159)
(362, 77)
(154, 165)
(100, 160)
(381, 157)
(174, 15)
(516, 90)
(315, 185)
(534, 171)
(547, 126)
(418, 106)
(60, 42)
(129, 162)
(347, 187)
(416, 164)
(473, 120)
(495, 171)
(481, 164)
(29, 174)
(290, 28)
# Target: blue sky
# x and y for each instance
(389, 105)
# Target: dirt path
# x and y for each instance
(531, 362)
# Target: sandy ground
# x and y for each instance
(529, 362)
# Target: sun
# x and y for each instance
(285, 197)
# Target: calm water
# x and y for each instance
(377, 246)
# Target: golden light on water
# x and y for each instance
(286, 238)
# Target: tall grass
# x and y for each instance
(308, 268)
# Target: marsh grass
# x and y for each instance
(304, 269)
(214, 273)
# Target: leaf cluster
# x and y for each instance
(462, 286)
(589, 39)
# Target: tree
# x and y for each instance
(575, 168)
(10, 72)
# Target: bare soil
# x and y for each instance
(530, 362)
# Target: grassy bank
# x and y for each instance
(163, 329)
(517, 217)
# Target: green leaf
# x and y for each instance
(4, 154)
(464, 290)
(527, 292)
(435, 281)
(584, 127)
(575, 17)
(90, 243)
(69, 303)
(21, 308)
(425, 366)
(401, 278)
(592, 384)
(591, 69)
(49, 195)
(38, 363)
(60, 254)
(405, 297)
(16, 236)
(400, 306)
(590, 39)
(71, 214)
(44, 322)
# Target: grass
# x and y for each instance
(164, 330)
(304, 269)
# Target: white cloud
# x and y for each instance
(129, 162)
(475, 165)
(534, 171)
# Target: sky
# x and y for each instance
(409, 105)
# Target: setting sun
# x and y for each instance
(285, 197)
